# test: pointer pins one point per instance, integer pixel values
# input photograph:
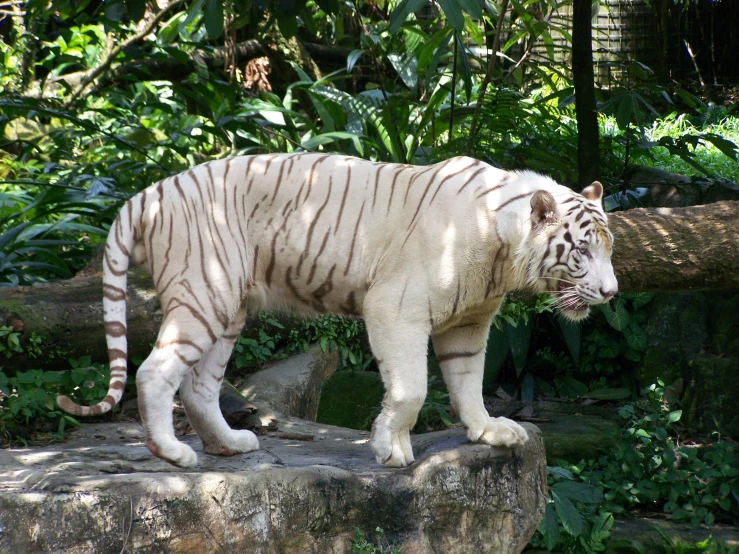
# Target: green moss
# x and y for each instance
(350, 399)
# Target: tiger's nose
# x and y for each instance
(607, 294)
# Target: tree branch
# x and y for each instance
(110, 58)
(492, 60)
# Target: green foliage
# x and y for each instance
(28, 398)
(649, 469)
(650, 127)
(572, 520)
(254, 352)
(588, 357)
(269, 340)
(9, 341)
(434, 414)
(708, 546)
(360, 544)
(332, 331)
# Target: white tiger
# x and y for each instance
(415, 251)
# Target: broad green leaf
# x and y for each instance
(472, 7)
(136, 9)
(674, 416)
(466, 72)
(402, 11)
(626, 110)
(616, 315)
(568, 515)
(334, 136)
(453, 13)
(527, 388)
(352, 59)
(636, 337)
(406, 65)
(640, 299)
(560, 472)
(440, 52)
(114, 10)
(570, 387)
(579, 492)
(549, 528)
(213, 15)
(726, 147)
(602, 525)
(519, 338)
(571, 335)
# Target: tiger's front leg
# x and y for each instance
(399, 342)
(461, 354)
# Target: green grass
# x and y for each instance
(706, 154)
(675, 126)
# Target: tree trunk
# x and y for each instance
(588, 159)
(677, 249)
(655, 249)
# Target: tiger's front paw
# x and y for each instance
(393, 449)
(499, 431)
(237, 442)
(174, 452)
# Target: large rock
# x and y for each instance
(305, 491)
(291, 387)
(104, 492)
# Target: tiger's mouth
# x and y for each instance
(570, 302)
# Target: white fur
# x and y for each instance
(418, 252)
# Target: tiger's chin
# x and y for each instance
(577, 314)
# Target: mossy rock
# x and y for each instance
(350, 399)
(574, 437)
(677, 328)
(710, 399)
(637, 535)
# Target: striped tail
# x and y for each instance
(118, 249)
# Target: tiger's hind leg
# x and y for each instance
(157, 380)
(200, 392)
(186, 335)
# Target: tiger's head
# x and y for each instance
(568, 251)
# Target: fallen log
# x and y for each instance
(655, 249)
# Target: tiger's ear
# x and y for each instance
(543, 207)
(594, 192)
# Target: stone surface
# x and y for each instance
(103, 492)
(291, 387)
(304, 491)
(572, 431)
(630, 533)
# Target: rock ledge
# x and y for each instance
(103, 492)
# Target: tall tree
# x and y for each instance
(588, 158)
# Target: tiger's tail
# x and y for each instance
(119, 248)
